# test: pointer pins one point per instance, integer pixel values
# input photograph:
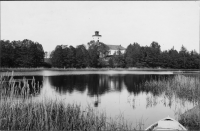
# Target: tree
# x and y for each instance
(183, 54)
(36, 55)
(66, 57)
(24, 53)
(118, 61)
(57, 57)
(82, 57)
(7, 56)
(154, 54)
(132, 55)
(97, 52)
(165, 60)
(110, 62)
(173, 61)
(72, 56)
(93, 53)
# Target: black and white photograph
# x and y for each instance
(100, 65)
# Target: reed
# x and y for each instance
(20, 111)
(185, 87)
(191, 119)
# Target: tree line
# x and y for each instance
(27, 53)
(134, 56)
(152, 56)
(79, 57)
(24, 53)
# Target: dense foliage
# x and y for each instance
(24, 53)
(137, 56)
(27, 53)
(79, 57)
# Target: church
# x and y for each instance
(113, 49)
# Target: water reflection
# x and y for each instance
(100, 84)
(96, 84)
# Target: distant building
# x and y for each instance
(96, 37)
(114, 49)
(47, 57)
(64, 46)
(47, 54)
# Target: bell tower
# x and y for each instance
(96, 37)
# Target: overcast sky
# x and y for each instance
(54, 23)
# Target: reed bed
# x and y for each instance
(185, 87)
(51, 116)
(191, 119)
(20, 111)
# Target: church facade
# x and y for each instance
(113, 49)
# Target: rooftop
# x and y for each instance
(97, 34)
(116, 47)
(64, 46)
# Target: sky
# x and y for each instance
(52, 23)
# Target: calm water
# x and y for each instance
(113, 92)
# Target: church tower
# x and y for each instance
(96, 36)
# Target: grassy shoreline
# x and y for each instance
(93, 69)
(53, 115)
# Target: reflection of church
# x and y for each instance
(106, 83)
(97, 100)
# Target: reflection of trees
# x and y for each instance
(100, 84)
(69, 83)
(96, 84)
(117, 82)
(132, 83)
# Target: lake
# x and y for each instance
(116, 93)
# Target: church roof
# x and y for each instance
(64, 46)
(96, 34)
(116, 47)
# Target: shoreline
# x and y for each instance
(95, 69)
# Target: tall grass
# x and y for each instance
(20, 111)
(185, 87)
(191, 119)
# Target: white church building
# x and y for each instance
(113, 49)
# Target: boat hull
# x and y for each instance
(167, 123)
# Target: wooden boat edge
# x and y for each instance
(163, 119)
